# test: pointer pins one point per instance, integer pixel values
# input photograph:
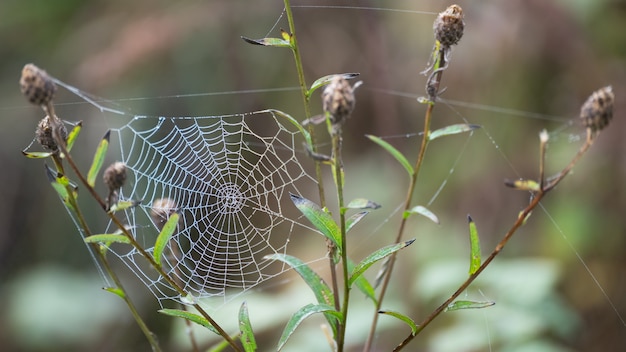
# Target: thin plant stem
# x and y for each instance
(409, 195)
(537, 197)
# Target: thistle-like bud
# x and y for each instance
(44, 134)
(338, 100)
(449, 26)
(597, 111)
(36, 85)
(161, 211)
(115, 176)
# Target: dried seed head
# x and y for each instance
(597, 111)
(338, 100)
(115, 176)
(449, 26)
(44, 134)
(162, 209)
(36, 85)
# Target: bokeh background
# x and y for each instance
(535, 56)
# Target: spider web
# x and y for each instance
(228, 177)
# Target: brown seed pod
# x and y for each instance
(338, 100)
(597, 111)
(44, 135)
(162, 209)
(115, 176)
(449, 26)
(36, 85)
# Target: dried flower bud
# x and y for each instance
(115, 176)
(449, 26)
(338, 100)
(597, 111)
(161, 211)
(36, 85)
(45, 136)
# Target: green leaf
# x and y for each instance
(276, 42)
(302, 314)
(319, 218)
(320, 82)
(247, 335)
(124, 204)
(374, 257)
(452, 129)
(362, 284)
(36, 155)
(61, 184)
(456, 305)
(71, 137)
(107, 238)
(475, 256)
(354, 219)
(305, 133)
(362, 203)
(166, 233)
(322, 292)
(194, 318)
(402, 317)
(394, 152)
(418, 209)
(523, 185)
(116, 291)
(98, 159)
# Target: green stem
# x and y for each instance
(409, 196)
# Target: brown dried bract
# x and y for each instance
(597, 111)
(36, 85)
(449, 26)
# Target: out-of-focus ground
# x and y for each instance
(543, 57)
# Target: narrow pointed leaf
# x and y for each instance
(475, 256)
(362, 284)
(98, 159)
(354, 219)
(402, 317)
(276, 42)
(36, 155)
(107, 238)
(319, 218)
(452, 129)
(374, 257)
(194, 318)
(302, 314)
(116, 291)
(362, 203)
(123, 205)
(422, 211)
(394, 152)
(320, 82)
(456, 305)
(71, 137)
(164, 237)
(61, 184)
(247, 336)
(293, 121)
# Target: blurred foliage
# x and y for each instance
(540, 56)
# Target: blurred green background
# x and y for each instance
(543, 57)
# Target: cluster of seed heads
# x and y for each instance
(597, 111)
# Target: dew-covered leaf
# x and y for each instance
(362, 203)
(354, 219)
(107, 238)
(319, 218)
(36, 155)
(475, 255)
(302, 314)
(71, 137)
(247, 335)
(194, 318)
(452, 129)
(363, 284)
(320, 82)
(374, 257)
